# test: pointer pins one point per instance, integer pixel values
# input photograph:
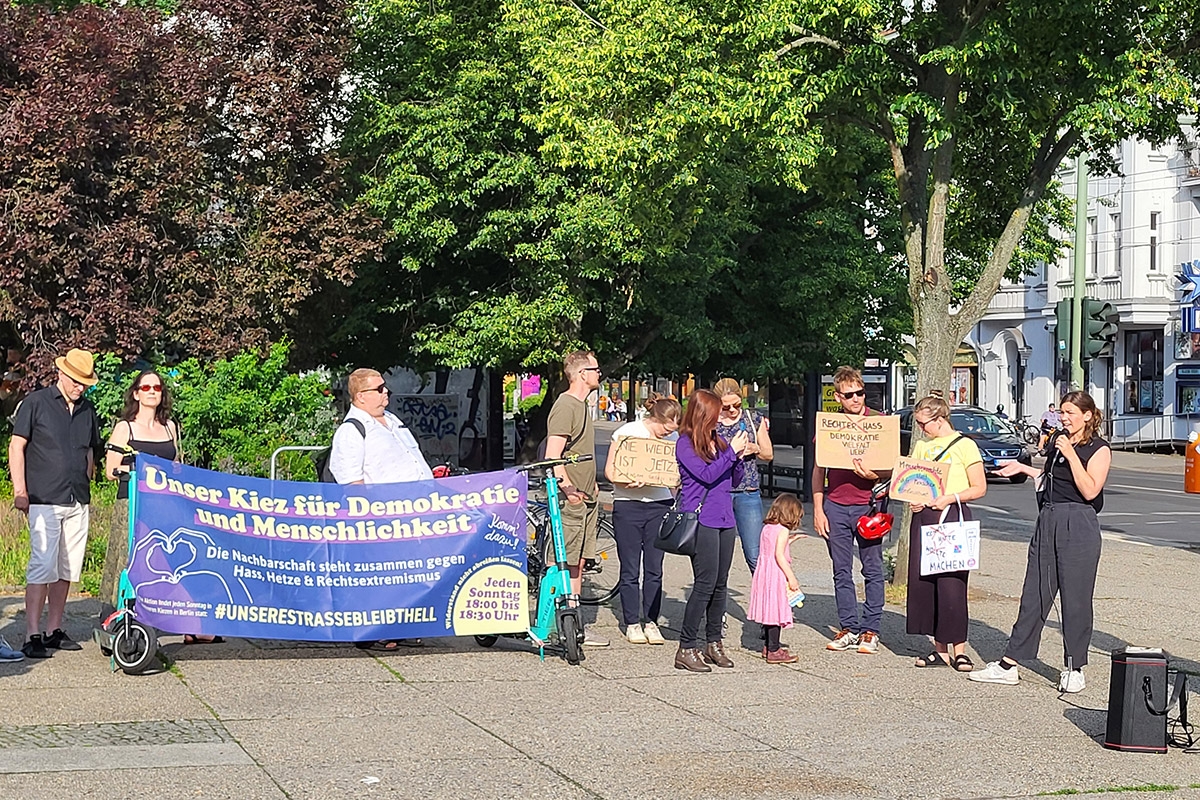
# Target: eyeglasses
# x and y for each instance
(590, 369)
(150, 387)
(77, 383)
(732, 407)
(381, 388)
(929, 421)
(859, 393)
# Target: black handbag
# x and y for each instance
(677, 532)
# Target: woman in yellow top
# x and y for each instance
(937, 604)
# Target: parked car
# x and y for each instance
(998, 441)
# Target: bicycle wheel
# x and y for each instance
(600, 575)
(599, 584)
(1031, 434)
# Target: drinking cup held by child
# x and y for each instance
(774, 585)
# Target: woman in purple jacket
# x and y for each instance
(709, 467)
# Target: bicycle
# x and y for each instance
(556, 606)
(1029, 432)
(600, 574)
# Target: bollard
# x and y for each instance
(1191, 464)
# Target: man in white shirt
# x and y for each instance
(383, 450)
(372, 445)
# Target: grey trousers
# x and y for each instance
(1063, 557)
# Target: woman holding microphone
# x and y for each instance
(1064, 553)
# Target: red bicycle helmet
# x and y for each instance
(875, 526)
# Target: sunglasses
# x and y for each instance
(589, 369)
(150, 387)
(733, 407)
(381, 388)
(859, 393)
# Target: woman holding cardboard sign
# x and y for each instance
(937, 604)
(637, 515)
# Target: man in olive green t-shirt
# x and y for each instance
(569, 431)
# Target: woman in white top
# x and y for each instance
(637, 515)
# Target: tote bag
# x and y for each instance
(949, 546)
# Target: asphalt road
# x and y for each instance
(1139, 506)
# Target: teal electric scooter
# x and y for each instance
(130, 645)
(557, 605)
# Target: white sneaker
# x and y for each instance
(994, 673)
(591, 640)
(7, 653)
(634, 635)
(843, 641)
(1071, 681)
(653, 636)
(868, 643)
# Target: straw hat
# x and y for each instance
(78, 364)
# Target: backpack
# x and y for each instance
(321, 459)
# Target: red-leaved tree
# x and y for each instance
(168, 183)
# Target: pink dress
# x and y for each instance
(768, 589)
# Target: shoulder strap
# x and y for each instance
(362, 429)
(957, 439)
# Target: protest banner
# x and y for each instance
(917, 481)
(843, 439)
(227, 555)
(650, 461)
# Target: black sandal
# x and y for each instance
(963, 663)
(934, 659)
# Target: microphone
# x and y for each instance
(1052, 437)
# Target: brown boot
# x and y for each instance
(715, 654)
(689, 658)
(782, 656)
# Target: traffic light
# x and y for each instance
(1062, 330)
(1099, 328)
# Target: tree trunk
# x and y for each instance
(938, 337)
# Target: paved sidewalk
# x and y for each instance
(273, 720)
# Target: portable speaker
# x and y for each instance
(1137, 701)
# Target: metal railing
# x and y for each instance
(293, 447)
(1136, 431)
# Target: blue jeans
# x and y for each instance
(843, 531)
(748, 512)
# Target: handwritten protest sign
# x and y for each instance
(916, 481)
(843, 439)
(650, 461)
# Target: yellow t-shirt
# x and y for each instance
(963, 454)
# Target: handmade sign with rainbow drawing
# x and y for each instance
(916, 481)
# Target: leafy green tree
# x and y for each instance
(233, 413)
(977, 103)
(508, 249)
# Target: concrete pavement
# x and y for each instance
(260, 719)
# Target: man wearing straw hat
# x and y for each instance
(52, 458)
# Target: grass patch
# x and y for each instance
(14, 540)
(895, 594)
(1148, 787)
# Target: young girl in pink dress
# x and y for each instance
(774, 580)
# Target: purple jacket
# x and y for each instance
(696, 475)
